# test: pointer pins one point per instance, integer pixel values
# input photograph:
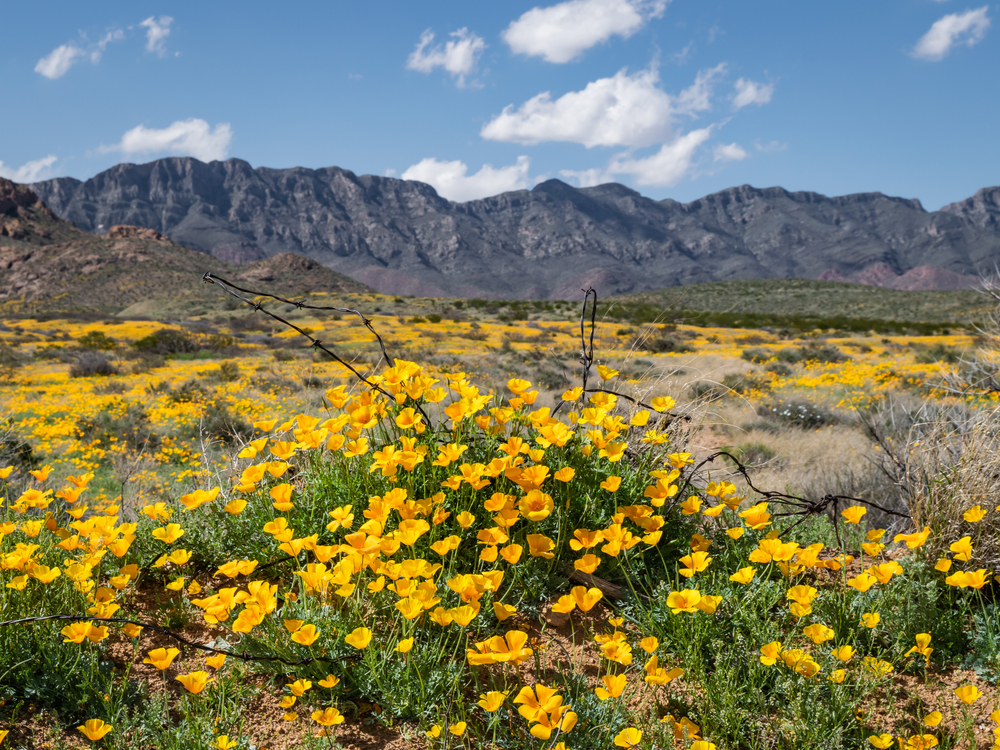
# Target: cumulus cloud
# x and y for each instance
(667, 166)
(157, 32)
(730, 152)
(452, 181)
(624, 110)
(967, 28)
(749, 92)
(182, 138)
(59, 61)
(458, 56)
(32, 171)
(562, 32)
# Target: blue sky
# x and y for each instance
(675, 99)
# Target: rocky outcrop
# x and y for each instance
(126, 232)
(401, 237)
(921, 278)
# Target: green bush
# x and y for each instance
(97, 340)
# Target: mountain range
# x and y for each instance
(401, 237)
(48, 265)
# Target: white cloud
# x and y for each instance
(750, 92)
(730, 152)
(32, 171)
(449, 178)
(770, 146)
(684, 55)
(564, 31)
(667, 166)
(967, 28)
(698, 96)
(183, 138)
(458, 56)
(624, 110)
(156, 34)
(114, 35)
(58, 61)
(586, 177)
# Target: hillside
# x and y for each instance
(49, 265)
(401, 237)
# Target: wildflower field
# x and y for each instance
(212, 535)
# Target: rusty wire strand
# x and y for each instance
(228, 287)
(803, 508)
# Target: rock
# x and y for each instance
(128, 232)
(554, 619)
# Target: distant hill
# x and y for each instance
(401, 237)
(49, 265)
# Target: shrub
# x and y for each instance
(779, 368)
(662, 343)
(90, 364)
(755, 454)
(707, 391)
(757, 354)
(127, 423)
(167, 342)
(826, 354)
(229, 371)
(801, 414)
(10, 362)
(97, 340)
(219, 423)
(434, 318)
(937, 353)
(745, 383)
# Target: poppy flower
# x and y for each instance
(870, 619)
(613, 686)
(628, 738)
(491, 701)
(974, 514)
(683, 601)
(306, 635)
(770, 652)
(854, 514)
(93, 729)
(359, 638)
(299, 687)
(968, 694)
(195, 682)
(161, 657)
(328, 717)
(743, 575)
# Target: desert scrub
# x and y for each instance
(408, 545)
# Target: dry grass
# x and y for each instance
(945, 462)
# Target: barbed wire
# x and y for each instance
(802, 507)
(228, 287)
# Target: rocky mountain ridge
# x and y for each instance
(401, 237)
(48, 265)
